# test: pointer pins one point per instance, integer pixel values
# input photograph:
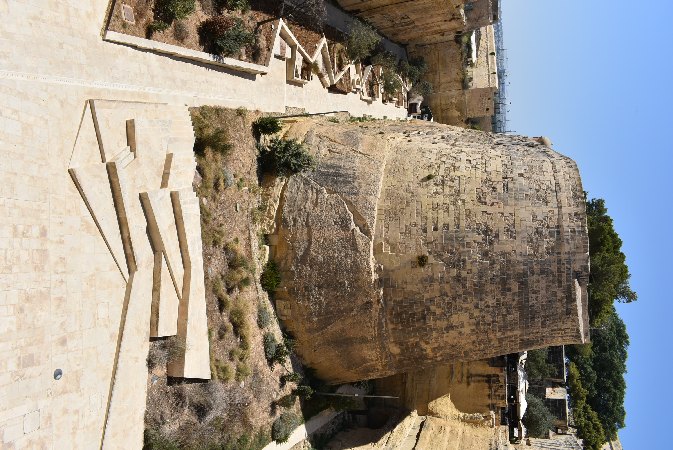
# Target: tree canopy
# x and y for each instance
(609, 278)
(537, 419)
(600, 367)
(537, 367)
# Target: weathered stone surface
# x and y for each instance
(498, 220)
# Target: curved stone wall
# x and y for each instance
(414, 244)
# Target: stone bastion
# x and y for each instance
(414, 244)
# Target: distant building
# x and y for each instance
(553, 389)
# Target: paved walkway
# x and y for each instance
(59, 284)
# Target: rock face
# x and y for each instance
(411, 245)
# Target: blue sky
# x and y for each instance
(596, 77)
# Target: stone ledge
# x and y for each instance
(148, 44)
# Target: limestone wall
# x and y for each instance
(500, 221)
(407, 22)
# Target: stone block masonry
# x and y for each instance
(423, 244)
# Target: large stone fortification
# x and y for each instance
(416, 244)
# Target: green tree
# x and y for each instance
(604, 395)
(362, 39)
(589, 427)
(537, 367)
(609, 278)
(537, 419)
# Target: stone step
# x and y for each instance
(192, 320)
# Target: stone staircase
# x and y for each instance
(133, 164)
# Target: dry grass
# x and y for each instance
(234, 409)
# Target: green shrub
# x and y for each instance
(538, 420)
(170, 10)
(270, 279)
(281, 354)
(385, 59)
(263, 317)
(422, 260)
(284, 157)
(270, 344)
(362, 39)
(266, 125)
(413, 69)
(286, 401)
(292, 377)
(234, 39)
(303, 391)
(284, 425)
(157, 26)
(423, 88)
(391, 82)
(240, 5)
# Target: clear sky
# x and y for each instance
(596, 76)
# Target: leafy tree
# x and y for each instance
(588, 424)
(609, 279)
(362, 39)
(604, 395)
(537, 367)
(537, 419)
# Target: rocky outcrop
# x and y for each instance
(414, 244)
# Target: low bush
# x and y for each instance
(263, 317)
(270, 344)
(303, 391)
(284, 157)
(284, 425)
(281, 354)
(170, 10)
(362, 39)
(286, 401)
(157, 26)
(226, 35)
(266, 125)
(423, 88)
(238, 5)
(292, 377)
(270, 279)
(422, 260)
